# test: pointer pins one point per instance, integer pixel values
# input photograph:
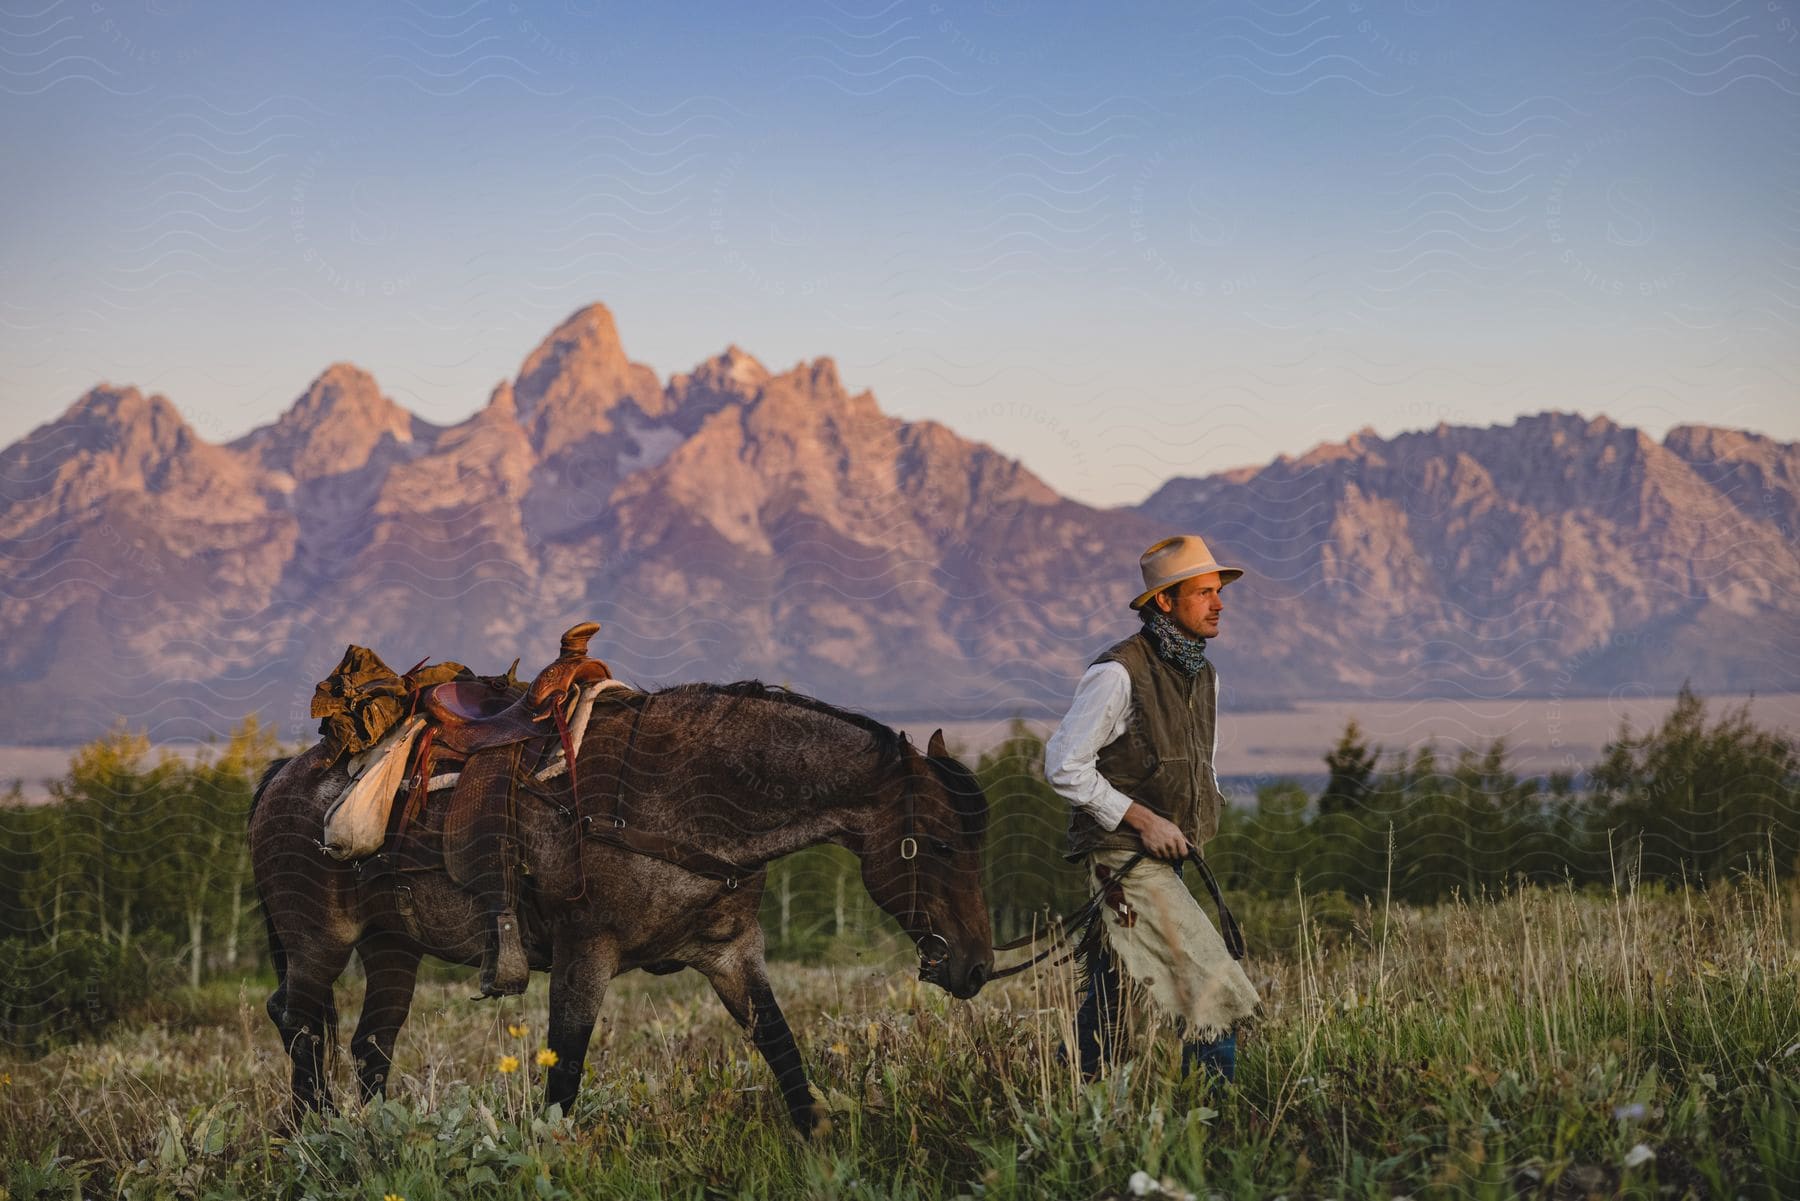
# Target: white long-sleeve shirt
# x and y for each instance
(1096, 717)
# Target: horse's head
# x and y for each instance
(921, 862)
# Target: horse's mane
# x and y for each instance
(965, 792)
(268, 774)
(889, 743)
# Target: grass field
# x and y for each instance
(1546, 1044)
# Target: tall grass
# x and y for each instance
(1549, 1043)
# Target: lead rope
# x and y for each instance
(1228, 926)
(1081, 919)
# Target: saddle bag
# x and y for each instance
(357, 821)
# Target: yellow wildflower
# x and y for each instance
(392, 1197)
(517, 1029)
(839, 1048)
(509, 1064)
(546, 1058)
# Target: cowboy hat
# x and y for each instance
(1176, 559)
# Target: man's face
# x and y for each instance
(1193, 604)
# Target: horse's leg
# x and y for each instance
(308, 1020)
(392, 966)
(581, 966)
(741, 978)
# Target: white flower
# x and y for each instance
(1638, 1156)
(1629, 1113)
(1141, 1185)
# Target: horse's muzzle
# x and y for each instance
(934, 963)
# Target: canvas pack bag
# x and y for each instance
(356, 824)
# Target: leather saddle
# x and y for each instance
(471, 716)
(467, 722)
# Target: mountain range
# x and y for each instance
(735, 521)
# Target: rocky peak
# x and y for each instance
(501, 405)
(336, 426)
(1710, 444)
(486, 457)
(820, 378)
(118, 442)
(112, 436)
(129, 438)
(739, 367)
(571, 384)
(345, 392)
(105, 413)
(1756, 473)
(809, 405)
(732, 377)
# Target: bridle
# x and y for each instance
(933, 947)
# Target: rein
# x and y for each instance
(1081, 919)
(1089, 912)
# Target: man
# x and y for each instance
(1134, 758)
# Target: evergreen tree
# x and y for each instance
(1692, 799)
(1351, 764)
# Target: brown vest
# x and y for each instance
(1163, 759)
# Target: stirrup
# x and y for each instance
(504, 970)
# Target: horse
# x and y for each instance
(653, 858)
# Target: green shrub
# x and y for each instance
(71, 989)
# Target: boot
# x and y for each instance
(504, 970)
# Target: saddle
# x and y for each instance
(472, 715)
(480, 730)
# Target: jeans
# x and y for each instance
(1096, 1024)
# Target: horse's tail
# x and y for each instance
(277, 954)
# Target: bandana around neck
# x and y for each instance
(1177, 649)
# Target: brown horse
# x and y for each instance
(687, 794)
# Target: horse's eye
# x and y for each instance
(940, 846)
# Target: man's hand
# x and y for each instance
(1160, 836)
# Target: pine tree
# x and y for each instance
(1352, 765)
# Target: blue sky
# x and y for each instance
(1119, 242)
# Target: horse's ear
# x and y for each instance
(936, 748)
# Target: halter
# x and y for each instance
(930, 956)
